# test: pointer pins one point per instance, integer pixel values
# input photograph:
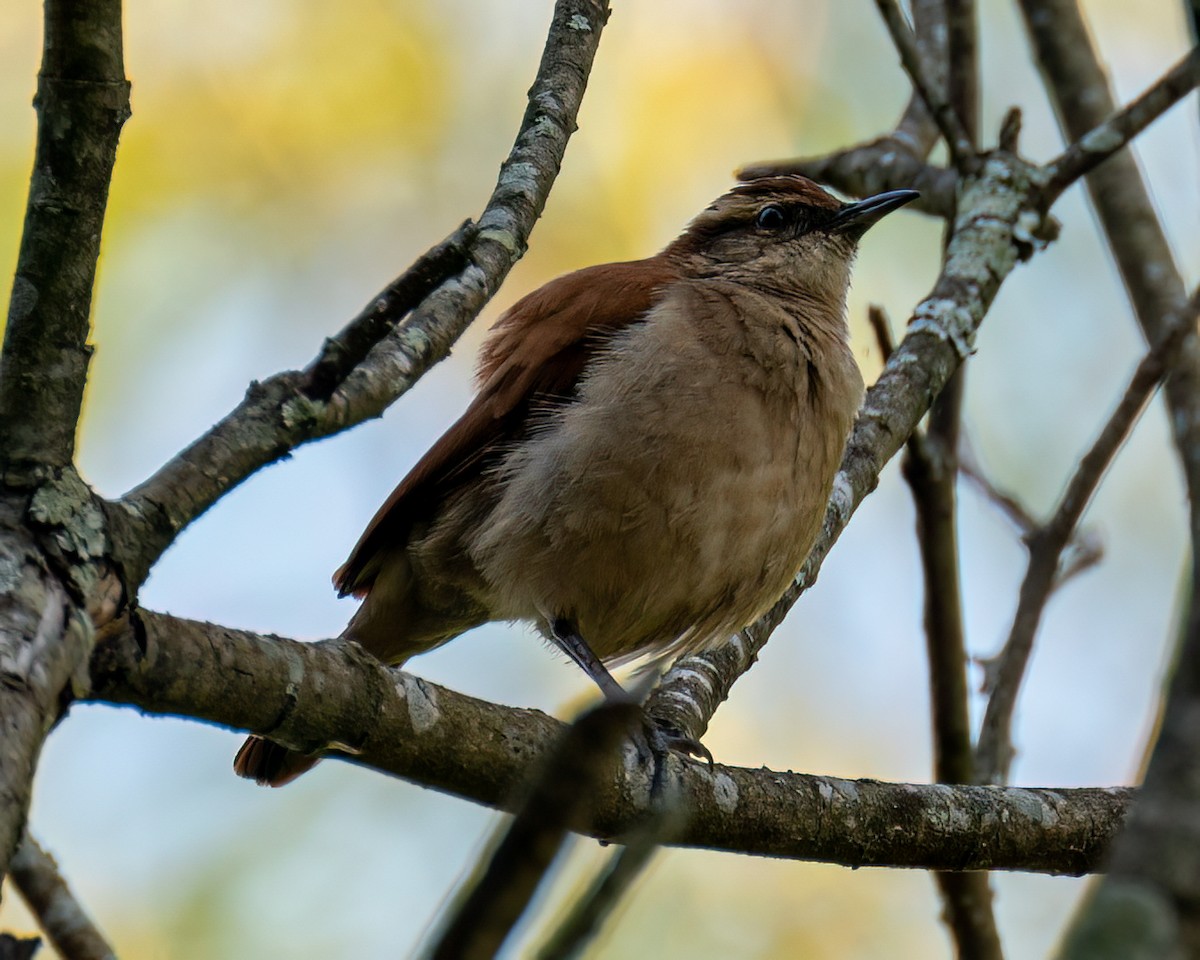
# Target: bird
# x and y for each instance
(647, 459)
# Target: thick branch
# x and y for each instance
(284, 412)
(43, 641)
(82, 101)
(309, 695)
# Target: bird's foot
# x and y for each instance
(666, 738)
(656, 742)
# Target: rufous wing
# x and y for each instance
(533, 357)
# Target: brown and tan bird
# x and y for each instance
(648, 459)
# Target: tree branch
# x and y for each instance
(82, 101)
(59, 914)
(287, 410)
(44, 640)
(995, 751)
(958, 141)
(931, 468)
(886, 163)
(308, 696)
(1100, 143)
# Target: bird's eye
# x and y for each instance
(770, 217)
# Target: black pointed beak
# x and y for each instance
(856, 218)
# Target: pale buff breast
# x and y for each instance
(673, 502)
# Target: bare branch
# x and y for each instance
(1100, 143)
(340, 354)
(1046, 546)
(962, 149)
(310, 695)
(82, 101)
(278, 415)
(64, 921)
(1080, 93)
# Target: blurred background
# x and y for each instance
(285, 159)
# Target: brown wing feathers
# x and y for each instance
(536, 352)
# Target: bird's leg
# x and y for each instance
(567, 638)
(661, 736)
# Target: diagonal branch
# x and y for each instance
(82, 101)
(484, 915)
(958, 141)
(1101, 142)
(1046, 547)
(59, 913)
(310, 695)
(287, 410)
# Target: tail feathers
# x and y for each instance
(270, 765)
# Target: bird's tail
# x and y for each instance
(270, 765)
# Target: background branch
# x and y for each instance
(1105, 139)
(1047, 544)
(930, 466)
(59, 913)
(958, 140)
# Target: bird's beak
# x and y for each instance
(855, 218)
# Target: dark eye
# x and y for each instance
(771, 218)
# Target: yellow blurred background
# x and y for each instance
(284, 161)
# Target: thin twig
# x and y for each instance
(962, 150)
(995, 751)
(881, 325)
(486, 912)
(1100, 143)
(1085, 549)
(82, 102)
(287, 410)
(348, 348)
(59, 913)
